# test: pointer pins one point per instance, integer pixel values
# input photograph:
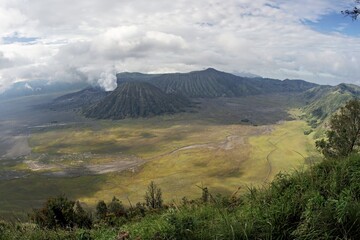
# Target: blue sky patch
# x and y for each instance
(17, 39)
(336, 23)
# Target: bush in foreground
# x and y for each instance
(322, 202)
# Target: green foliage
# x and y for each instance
(323, 101)
(101, 210)
(116, 208)
(343, 135)
(153, 196)
(61, 212)
(320, 203)
(81, 218)
(308, 131)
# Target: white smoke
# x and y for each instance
(107, 80)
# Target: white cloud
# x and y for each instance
(80, 40)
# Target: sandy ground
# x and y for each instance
(18, 147)
(94, 169)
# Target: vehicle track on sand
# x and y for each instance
(271, 152)
(230, 142)
(268, 160)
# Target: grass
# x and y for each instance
(284, 150)
(321, 202)
(19, 196)
(222, 169)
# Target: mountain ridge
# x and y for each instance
(136, 99)
(212, 83)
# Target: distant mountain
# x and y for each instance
(142, 95)
(38, 87)
(211, 83)
(136, 99)
(323, 101)
(79, 99)
(205, 84)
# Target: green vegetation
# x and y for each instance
(323, 101)
(344, 134)
(61, 213)
(319, 203)
(153, 197)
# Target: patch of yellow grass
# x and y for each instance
(221, 170)
(284, 150)
(183, 155)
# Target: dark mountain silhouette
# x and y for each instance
(211, 83)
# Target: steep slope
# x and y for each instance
(79, 99)
(136, 99)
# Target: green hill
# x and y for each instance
(323, 101)
(136, 99)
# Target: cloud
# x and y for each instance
(87, 40)
(4, 62)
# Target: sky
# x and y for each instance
(92, 40)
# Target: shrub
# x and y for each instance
(153, 196)
(61, 212)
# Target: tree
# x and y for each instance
(81, 217)
(101, 210)
(116, 208)
(353, 13)
(343, 137)
(153, 196)
(60, 212)
(56, 212)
